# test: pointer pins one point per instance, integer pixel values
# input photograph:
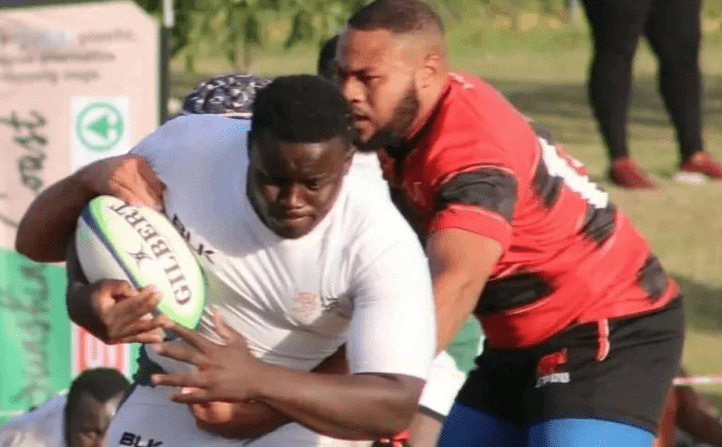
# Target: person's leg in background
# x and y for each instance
(616, 28)
(666, 433)
(685, 410)
(673, 31)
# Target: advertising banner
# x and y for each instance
(34, 325)
(79, 81)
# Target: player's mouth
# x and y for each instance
(294, 217)
(360, 117)
(293, 225)
(291, 217)
(362, 124)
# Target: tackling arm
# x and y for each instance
(460, 263)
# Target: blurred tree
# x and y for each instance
(235, 26)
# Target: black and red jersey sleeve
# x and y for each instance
(480, 199)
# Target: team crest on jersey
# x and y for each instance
(415, 193)
(306, 304)
(547, 369)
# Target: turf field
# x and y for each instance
(541, 67)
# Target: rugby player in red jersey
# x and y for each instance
(584, 328)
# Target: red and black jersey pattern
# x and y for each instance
(569, 255)
(488, 188)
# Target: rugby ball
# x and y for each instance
(140, 245)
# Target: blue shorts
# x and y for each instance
(466, 427)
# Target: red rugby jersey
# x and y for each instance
(569, 256)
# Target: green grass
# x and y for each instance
(543, 72)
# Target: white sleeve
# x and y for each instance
(393, 327)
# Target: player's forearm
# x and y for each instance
(362, 406)
(460, 262)
(49, 222)
(247, 420)
(257, 419)
(456, 297)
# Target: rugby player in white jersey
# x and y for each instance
(300, 262)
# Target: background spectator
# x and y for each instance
(78, 419)
(672, 28)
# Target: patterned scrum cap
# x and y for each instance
(230, 95)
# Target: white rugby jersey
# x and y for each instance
(42, 427)
(359, 278)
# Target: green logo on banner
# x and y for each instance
(99, 126)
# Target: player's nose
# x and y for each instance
(291, 196)
(352, 89)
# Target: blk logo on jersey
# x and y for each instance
(547, 369)
(197, 246)
(134, 440)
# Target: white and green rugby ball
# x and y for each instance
(140, 245)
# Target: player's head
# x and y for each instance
(391, 66)
(326, 66)
(300, 149)
(92, 401)
(230, 95)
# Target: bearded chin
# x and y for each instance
(379, 140)
(393, 135)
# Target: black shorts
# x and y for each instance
(618, 370)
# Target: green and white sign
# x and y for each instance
(100, 128)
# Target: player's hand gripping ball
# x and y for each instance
(140, 245)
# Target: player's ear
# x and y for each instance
(431, 68)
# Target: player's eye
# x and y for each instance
(368, 79)
(314, 185)
(268, 179)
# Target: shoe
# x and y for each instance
(626, 173)
(702, 163)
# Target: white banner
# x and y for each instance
(78, 82)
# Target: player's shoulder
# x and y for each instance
(477, 128)
(50, 410)
(369, 216)
(194, 134)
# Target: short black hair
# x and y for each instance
(229, 94)
(326, 66)
(301, 109)
(397, 16)
(101, 383)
